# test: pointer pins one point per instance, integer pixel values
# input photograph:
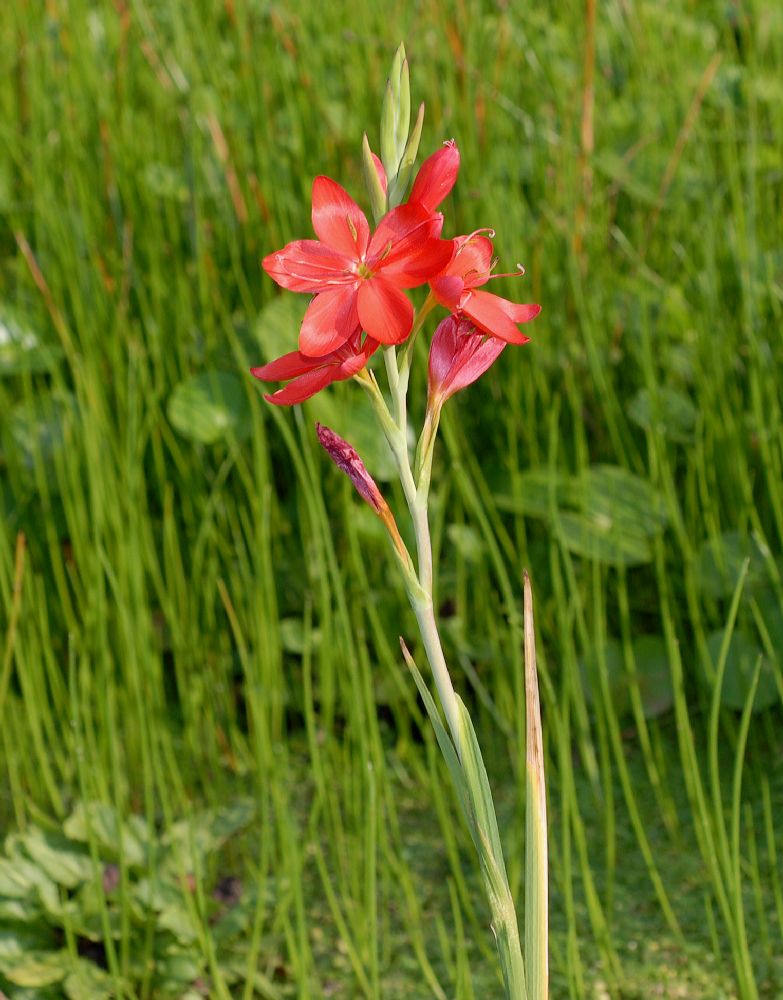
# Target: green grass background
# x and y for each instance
(191, 622)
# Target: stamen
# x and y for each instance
(489, 233)
(352, 227)
(520, 271)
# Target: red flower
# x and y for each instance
(456, 288)
(358, 279)
(310, 375)
(458, 356)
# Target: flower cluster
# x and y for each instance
(359, 281)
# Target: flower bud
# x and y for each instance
(346, 457)
(374, 180)
(436, 177)
(395, 115)
(459, 355)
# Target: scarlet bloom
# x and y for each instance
(459, 355)
(310, 375)
(456, 287)
(358, 279)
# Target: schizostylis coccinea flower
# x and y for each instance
(359, 279)
(457, 288)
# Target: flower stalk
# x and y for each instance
(359, 281)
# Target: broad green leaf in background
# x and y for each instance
(601, 540)
(653, 675)
(719, 562)
(103, 823)
(277, 326)
(607, 513)
(193, 839)
(292, 635)
(63, 861)
(535, 490)
(41, 968)
(88, 981)
(22, 350)
(37, 432)
(209, 407)
(631, 503)
(591, 666)
(741, 661)
(467, 542)
(665, 410)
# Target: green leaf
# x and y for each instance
(539, 491)
(209, 407)
(467, 542)
(743, 654)
(106, 827)
(719, 562)
(42, 968)
(88, 982)
(444, 742)
(65, 863)
(653, 675)
(666, 411)
(602, 540)
(193, 839)
(591, 666)
(482, 805)
(16, 942)
(22, 350)
(277, 326)
(630, 503)
(38, 434)
(292, 633)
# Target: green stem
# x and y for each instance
(420, 595)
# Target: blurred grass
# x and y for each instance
(190, 621)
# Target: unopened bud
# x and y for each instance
(346, 458)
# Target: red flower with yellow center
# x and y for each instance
(358, 280)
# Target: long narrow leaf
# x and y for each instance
(536, 857)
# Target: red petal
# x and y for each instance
(492, 314)
(472, 259)
(337, 219)
(288, 366)
(385, 312)
(442, 350)
(330, 320)
(521, 312)
(436, 177)
(458, 356)
(420, 265)
(357, 361)
(380, 171)
(308, 266)
(302, 388)
(400, 233)
(448, 289)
